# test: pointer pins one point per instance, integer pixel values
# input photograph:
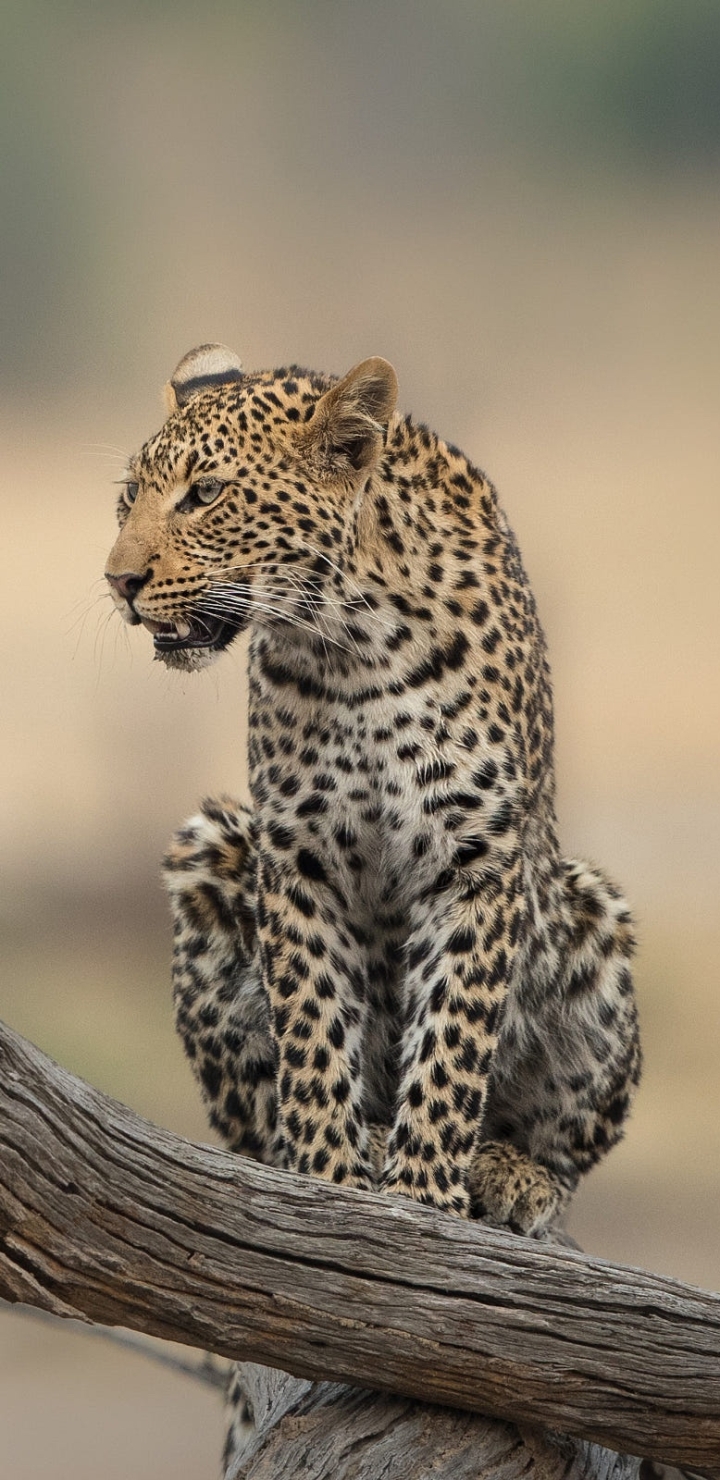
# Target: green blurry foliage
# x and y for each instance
(635, 81)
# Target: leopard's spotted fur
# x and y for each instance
(384, 971)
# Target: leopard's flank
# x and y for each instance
(385, 972)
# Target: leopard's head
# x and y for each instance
(242, 507)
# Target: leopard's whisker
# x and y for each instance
(323, 555)
(240, 606)
(105, 449)
(293, 579)
(255, 594)
(312, 601)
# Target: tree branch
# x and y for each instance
(328, 1431)
(106, 1217)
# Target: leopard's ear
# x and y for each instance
(201, 368)
(348, 422)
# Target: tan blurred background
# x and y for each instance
(517, 204)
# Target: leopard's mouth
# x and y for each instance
(194, 632)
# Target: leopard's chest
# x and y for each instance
(350, 774)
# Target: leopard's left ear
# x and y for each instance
(199, 370)
(348, 422)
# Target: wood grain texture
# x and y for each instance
(328, 1431)
(107, 1216)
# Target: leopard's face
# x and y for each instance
(239, 509)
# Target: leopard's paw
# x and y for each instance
(509, 1190)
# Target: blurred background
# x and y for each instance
(517, 203)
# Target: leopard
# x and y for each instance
(385, 972)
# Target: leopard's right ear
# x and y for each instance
(200, 370)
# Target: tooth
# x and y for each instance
(182, 629)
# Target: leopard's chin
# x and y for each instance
(193, 643)
(187, 660)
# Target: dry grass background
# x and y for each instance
(300, 194)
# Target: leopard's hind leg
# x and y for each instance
(567, 1064)
(221, 1008)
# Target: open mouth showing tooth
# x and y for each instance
(211, 632)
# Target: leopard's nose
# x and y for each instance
(128, 584)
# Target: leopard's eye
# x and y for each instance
(207, 491)
(130, 492)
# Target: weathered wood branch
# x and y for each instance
(329, 1431)
(105, 1216)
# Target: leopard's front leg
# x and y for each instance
(459, 961)
(315, 982)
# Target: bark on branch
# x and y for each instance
(105, 1216)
